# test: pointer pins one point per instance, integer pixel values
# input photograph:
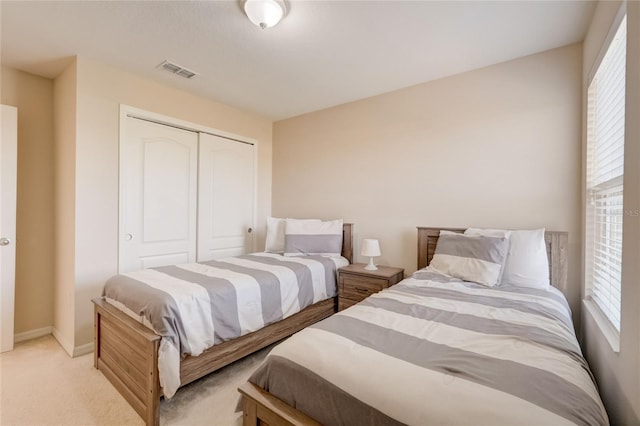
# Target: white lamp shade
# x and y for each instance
(264, 13)
(370, 247)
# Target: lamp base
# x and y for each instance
(371, 266)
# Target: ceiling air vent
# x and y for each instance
(177, 69)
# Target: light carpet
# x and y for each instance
(41, 385)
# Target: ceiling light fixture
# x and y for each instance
(264, 13)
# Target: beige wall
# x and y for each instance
(100, 91)
(64, 160)
(618, 374)
(68, 184)
(33, 96)
(495, 147)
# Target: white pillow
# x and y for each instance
(445, 232)
(495, 233)
(527, 263)
(275, 234)
(313, 237)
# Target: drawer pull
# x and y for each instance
(361, 290)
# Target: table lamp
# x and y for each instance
(371, 248)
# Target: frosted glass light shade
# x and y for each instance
(371, 248)
(264, 13)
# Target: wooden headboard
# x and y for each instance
(556, 242)
(347, 241)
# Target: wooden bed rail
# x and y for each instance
(262, 408)
(127, 354)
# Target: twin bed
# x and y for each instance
(434, 350)
(429, 350)
(127, 351)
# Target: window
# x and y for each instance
(604, 175)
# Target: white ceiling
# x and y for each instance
(322, 54)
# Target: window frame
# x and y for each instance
(611, 332)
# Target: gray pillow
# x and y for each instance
(478, 259)
(303, 237)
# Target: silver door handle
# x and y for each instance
(128, 237)
(5, 241)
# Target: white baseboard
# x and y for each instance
(69, 348)
(66, 345)
(45, 331)
(83, 349)
(32, 334)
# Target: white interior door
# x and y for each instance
(158, 195)
(226, 181)
(8, 180)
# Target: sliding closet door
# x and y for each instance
(158, 195)
(226, 182)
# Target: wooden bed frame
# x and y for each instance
(261, 408)
(127, 352)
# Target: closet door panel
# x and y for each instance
(158, 195)
(226, 197)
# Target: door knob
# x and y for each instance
(4, 241)
(250, 230)
(128, 237)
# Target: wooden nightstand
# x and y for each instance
(356, 283)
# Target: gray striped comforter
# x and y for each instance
(196, 305)
(429, 351)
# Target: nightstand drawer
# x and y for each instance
(355, 283)
(357, 288)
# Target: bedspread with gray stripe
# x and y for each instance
(436, 351)
(194, 306)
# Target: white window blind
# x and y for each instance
(605, 164)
